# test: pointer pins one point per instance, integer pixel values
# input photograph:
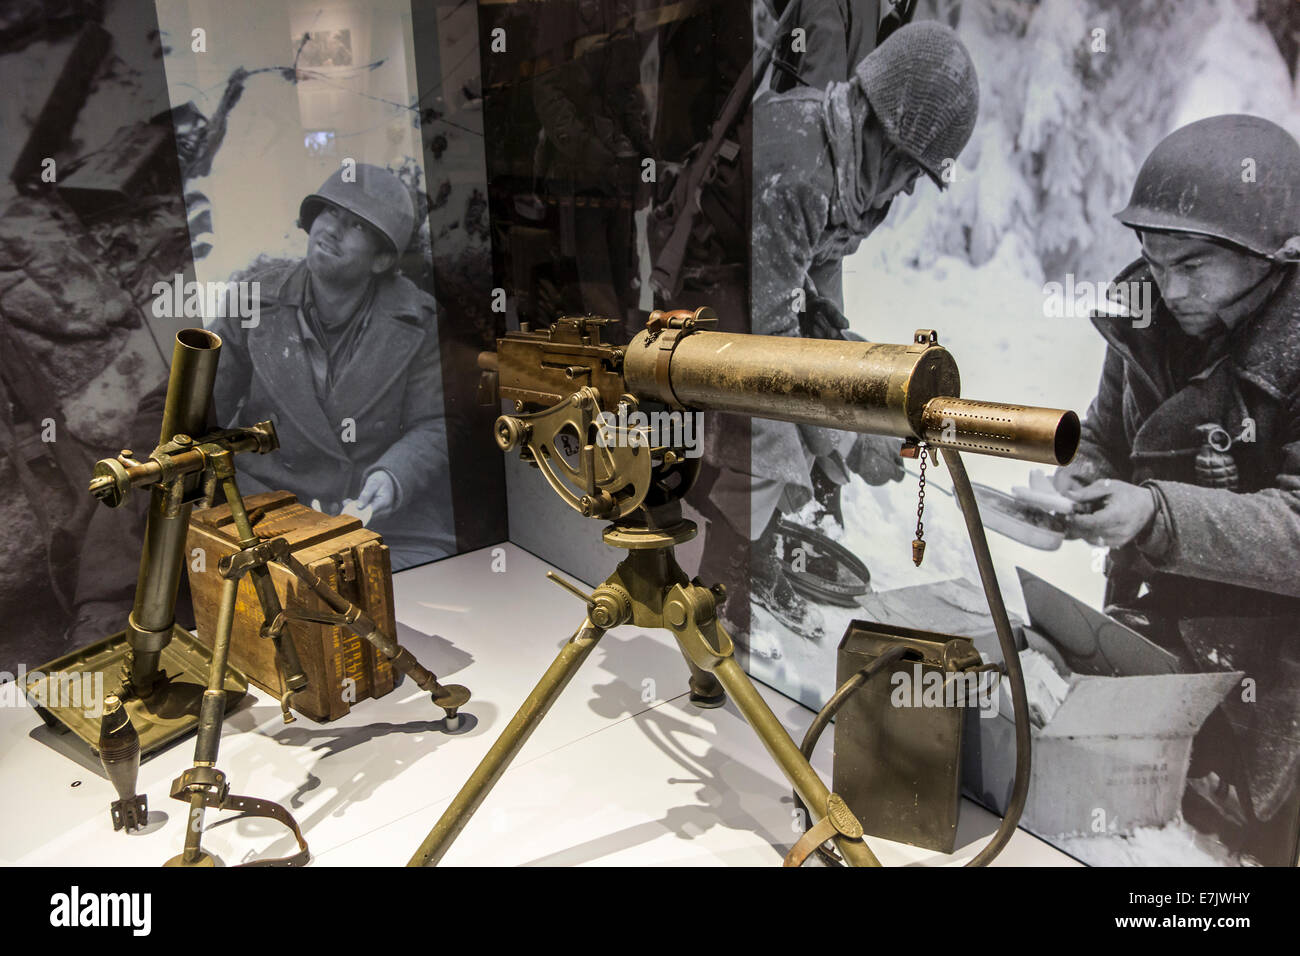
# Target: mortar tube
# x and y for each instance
(189, 397)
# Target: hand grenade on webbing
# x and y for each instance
(1215, 467)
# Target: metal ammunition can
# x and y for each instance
(898, 737)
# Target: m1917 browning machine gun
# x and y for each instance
(181, 472)
(565, 382)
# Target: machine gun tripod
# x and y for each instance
(565, 384)
(649, 589)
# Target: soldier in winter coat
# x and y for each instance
(1190, 458)
(827, 168)
(344, 359)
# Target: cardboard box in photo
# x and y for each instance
(1110, 751)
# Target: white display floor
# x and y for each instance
(624, 771)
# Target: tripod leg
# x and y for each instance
(786, 753)
(689, 613)
(203, 785)
(508, 745)
(450, 697)
(294, 676)
(211, 715)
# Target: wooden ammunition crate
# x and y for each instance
(341, 668)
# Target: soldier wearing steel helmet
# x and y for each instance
(1189, 468)
(828, 164)
(345, 359)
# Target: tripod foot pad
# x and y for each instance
(705, 702)
(205, 860)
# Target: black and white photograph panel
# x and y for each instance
(619, 176)
(91, 217)
(1096, 205)
(316, 200)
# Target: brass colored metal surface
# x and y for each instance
(173, 473)
(189, 397)
(855, 386)
(203, 785)
(649, 589)
(905, 391)
(182, 457)
(189, 385)
(170, 712)
(1026, 432)
(180, 471)
(544, 368)
(816, 795)
(635, 538)
(609, 480)
(507, 746)
(223, 469)
(839, 819)
(211, 716)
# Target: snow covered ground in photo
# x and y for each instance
(991, 317)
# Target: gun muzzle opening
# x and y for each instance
(200, 340)
(1048, 436)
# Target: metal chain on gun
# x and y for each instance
(918, 546)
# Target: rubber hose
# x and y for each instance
(1011, 657)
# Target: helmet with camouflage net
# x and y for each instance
(922, 87)
(370, 193)
(1235, 178)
